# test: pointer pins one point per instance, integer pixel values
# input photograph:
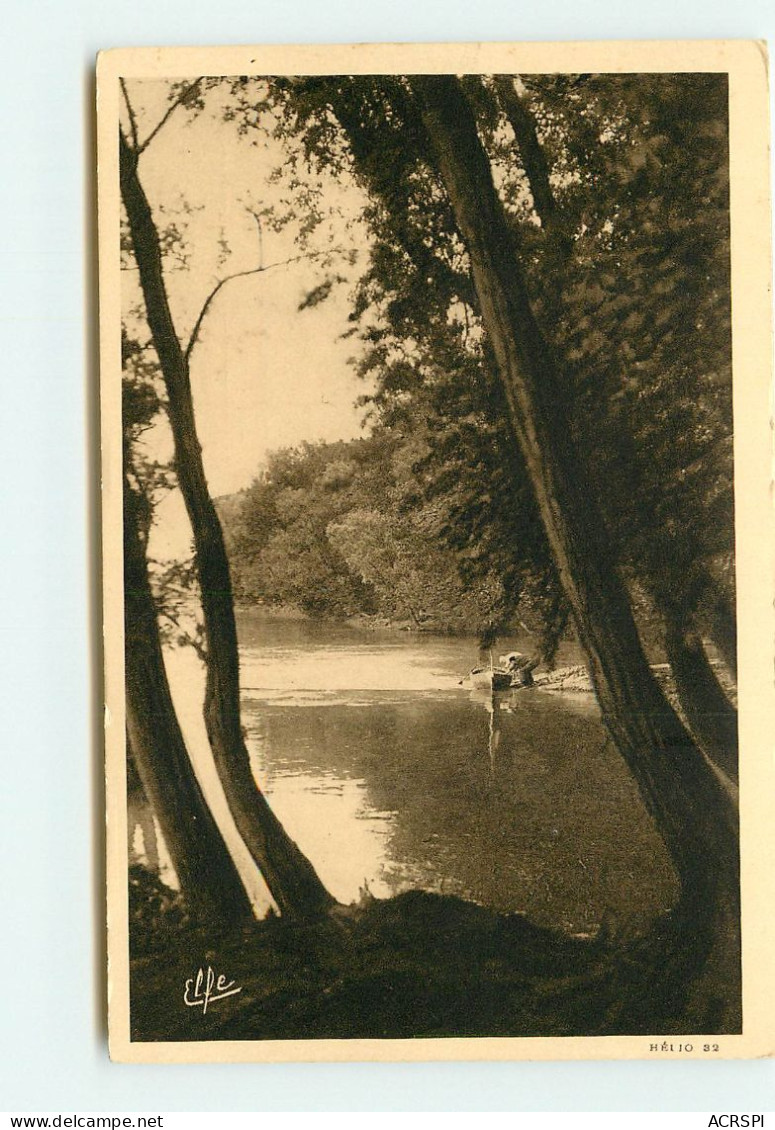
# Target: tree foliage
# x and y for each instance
(616, 188)
(339, 529)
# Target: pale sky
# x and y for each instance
(264, 375)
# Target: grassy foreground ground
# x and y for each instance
(415, 965)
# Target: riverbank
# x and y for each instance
(365, 621)
(415, 965)
(577, 680)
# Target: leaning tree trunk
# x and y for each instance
(694, 814)
(208, 877)
(292, 880)
(711, 716)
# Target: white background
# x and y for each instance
(52, 1041)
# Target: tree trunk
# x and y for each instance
(209, 881)
(723, 631)
(711, 716)
(289, 875)
(690, 807)
(533, 162)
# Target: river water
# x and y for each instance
(391, 775)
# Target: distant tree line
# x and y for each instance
(353, 528)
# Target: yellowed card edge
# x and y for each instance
(746, 63)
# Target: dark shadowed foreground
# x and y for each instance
(416, 965)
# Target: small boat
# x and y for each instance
(490, 678)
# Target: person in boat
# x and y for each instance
(521, 668)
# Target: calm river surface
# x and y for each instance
(390, 775)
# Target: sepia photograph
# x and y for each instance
(422, 401)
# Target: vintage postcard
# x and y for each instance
(438, 551)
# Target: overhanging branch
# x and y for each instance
(181, 98)
(244, 274)
(131, 112)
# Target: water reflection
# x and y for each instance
(390, 775)
(514, 800)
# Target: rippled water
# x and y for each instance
(391, 775)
